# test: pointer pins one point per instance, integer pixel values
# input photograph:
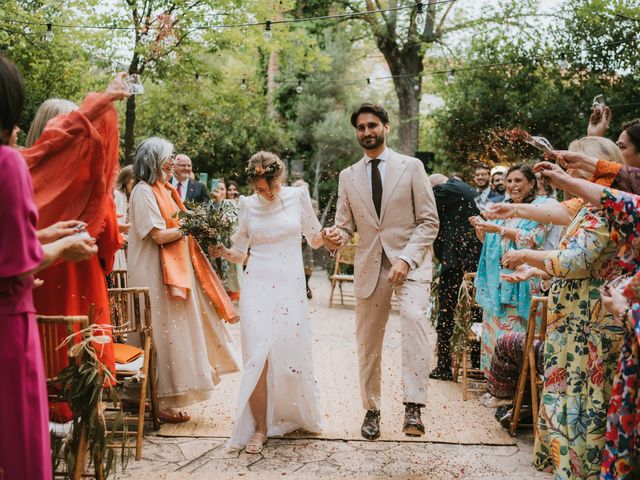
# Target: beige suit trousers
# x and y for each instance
(372, 314)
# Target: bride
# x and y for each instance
(278, 393)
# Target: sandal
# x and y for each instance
(255, 444)
(179, 417)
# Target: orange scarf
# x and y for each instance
(175, 263)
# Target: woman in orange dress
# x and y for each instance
(73, 164)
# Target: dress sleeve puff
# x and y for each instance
(145, 211)
(310, 225)
(240, 238)
(583, 249)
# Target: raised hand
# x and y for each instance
(599, 121)
(117, 88)
(556, 175)
(574, 160)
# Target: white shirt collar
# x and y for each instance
(384, 156)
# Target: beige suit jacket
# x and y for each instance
(408, 222)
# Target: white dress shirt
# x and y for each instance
(382, 167)
(185, 185)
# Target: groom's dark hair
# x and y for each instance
(377, 110)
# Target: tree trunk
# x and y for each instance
(406, 67)
(130, 114)
(408, 113)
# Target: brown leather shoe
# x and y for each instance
(413, 426)
(371, 425)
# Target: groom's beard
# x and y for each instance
(371, 142)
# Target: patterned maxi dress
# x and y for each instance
(581, 350)
(505, 305)
(620, 459)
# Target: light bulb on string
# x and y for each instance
(562, 63)
(299, 87)
(451, 77)
(243, 85)
(420, 16)
(48, 36)
(368, 81)
(197, 76)
(268, 34)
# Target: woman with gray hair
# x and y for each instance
(192, 342)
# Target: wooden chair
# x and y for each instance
(131, 316)
(345, 257)
(528, 368)
(53, 331)
(472, 378)
(119, 278)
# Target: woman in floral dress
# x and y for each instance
(582, 345)
(506, 305)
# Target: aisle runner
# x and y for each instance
(447, 418)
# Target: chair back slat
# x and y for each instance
(53, 331)
(130, 311)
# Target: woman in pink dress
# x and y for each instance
(24, 435)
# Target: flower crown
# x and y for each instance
(261, 171)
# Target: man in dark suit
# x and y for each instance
(458, 251)
(189, 189)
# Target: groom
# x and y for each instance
(387, 198)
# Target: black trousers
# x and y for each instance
(450, 282)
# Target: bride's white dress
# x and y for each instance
(274, 315)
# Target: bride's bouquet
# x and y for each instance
(209, 224)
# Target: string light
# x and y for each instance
(243, 85)
(48, 36)
(451, 77)
(562, 63)
(420, 16)
(368, 81)
(299, 87)
(268, 34)
(240, 25)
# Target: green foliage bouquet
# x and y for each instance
(209, 224)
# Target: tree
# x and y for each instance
(404, 35)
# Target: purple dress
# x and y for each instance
(24, 429)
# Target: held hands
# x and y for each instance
(398, 272)
(116, 88)
(332, 238)
(60, 230)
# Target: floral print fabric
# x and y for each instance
(581, 350)
(620, 458)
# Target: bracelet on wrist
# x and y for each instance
(516, 213)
